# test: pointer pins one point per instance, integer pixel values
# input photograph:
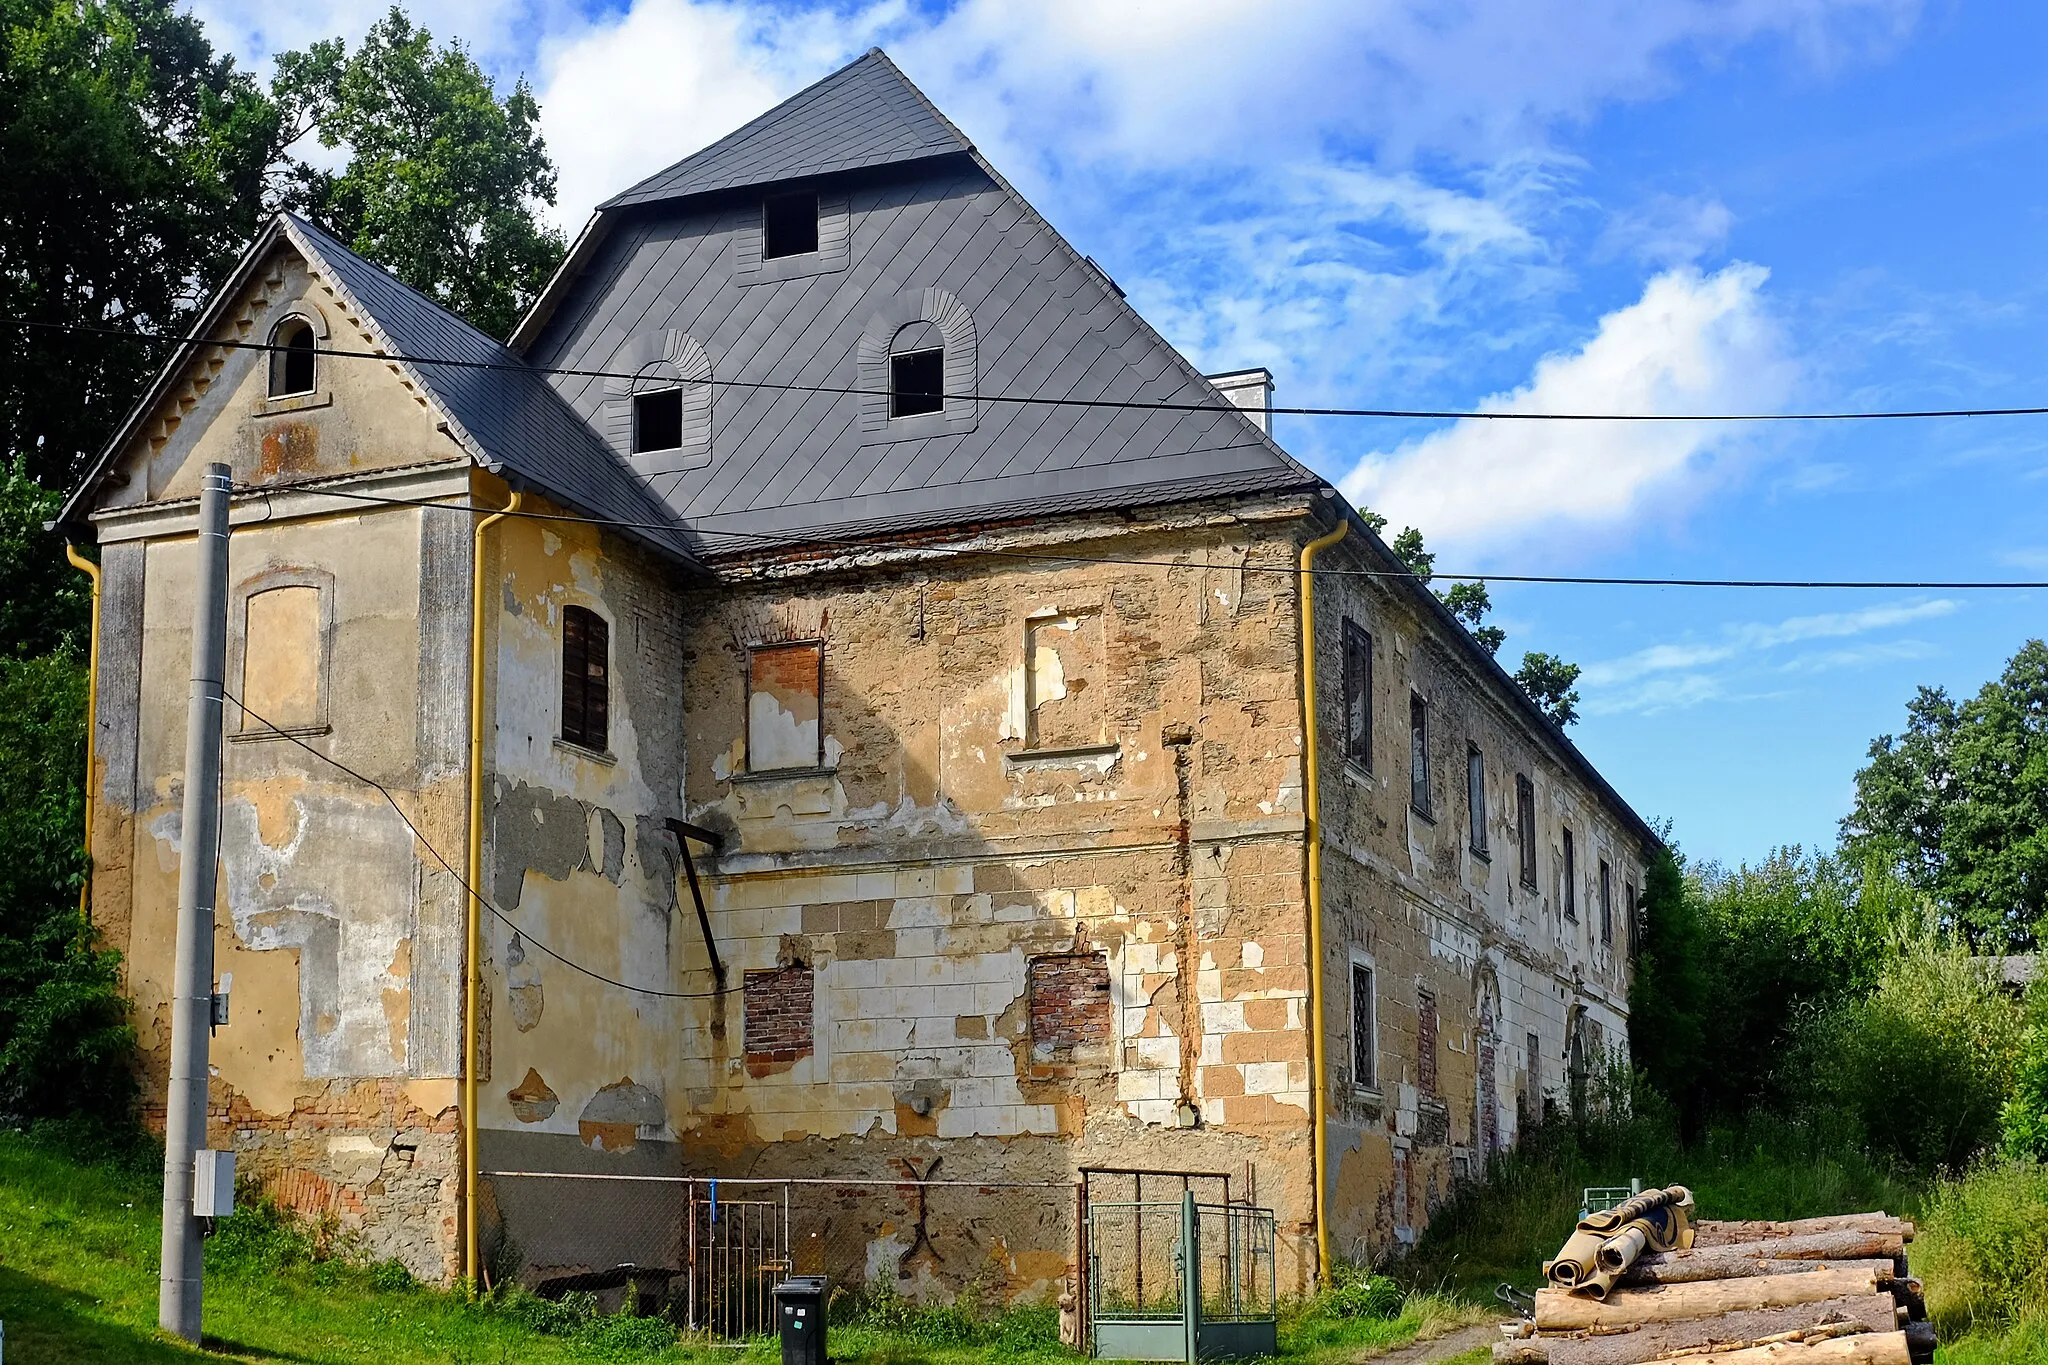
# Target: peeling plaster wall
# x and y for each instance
(948, 839)
(1409, 896)
(335, 1079)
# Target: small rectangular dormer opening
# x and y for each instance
(917, 382)
(657, 420)
(789, 225)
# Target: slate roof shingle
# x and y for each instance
(864, 114)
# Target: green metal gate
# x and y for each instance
(1183, 1281)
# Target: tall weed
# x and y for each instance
(1982, 1251)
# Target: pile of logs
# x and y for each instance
(1819, 1291)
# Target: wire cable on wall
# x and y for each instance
(471, 891)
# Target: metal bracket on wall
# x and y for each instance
(685, 832)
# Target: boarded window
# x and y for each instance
(1475, 797)
(1069, 1003)
(1418, 753)
(1606, 903)
(1571, 877)
(785, 716)
(1364, 1051)
(789, 225)
(1357, 695)
(1063, 681)
(779, 1024)
(281, 660)
(291, 364)
(586, 674)
(1525, 827)
(1425, 1042)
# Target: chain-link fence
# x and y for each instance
(706, 1253)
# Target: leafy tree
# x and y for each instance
(443, 177)
(1667, 998)
(134, 164)
(1469, 602)
(1548, 681)
(47, 606)
(1958, 804)
(65, 1039)
(2024, 1118)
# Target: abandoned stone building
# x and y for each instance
(907, 709)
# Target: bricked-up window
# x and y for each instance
(1418, 753)
(785, 717)
(1069, 1003)
(779, 1027)
(1064, 671)
(586, 660)
(1525, 827)
(1365, 1070)
(1475, 796)
(1606, 903)
(1357, 695)
(789, 224)
(1425, 1042)
(1571, 877)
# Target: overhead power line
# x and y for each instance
(469, 890)
(763, 541)
(1033, 400)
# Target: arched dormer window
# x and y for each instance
(291, 363)
(660, 419)
(918, 368)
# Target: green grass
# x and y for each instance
(78, 1266)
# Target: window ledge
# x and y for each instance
(263, 732)
(783, 774)
(1418, 810)
(1482, 855)
(570, 746)
(1361, 775)
(294, 402)
(1077, 756)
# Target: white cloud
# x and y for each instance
(1686, 672)
(1692, 343)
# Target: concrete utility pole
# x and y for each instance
(180, 1288)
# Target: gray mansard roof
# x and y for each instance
(865, 114)
(915, 227)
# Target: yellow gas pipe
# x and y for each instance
(92, 717)
(473, 970)
(1312, 830)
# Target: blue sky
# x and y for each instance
(1592, 205)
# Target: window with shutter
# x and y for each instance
(586, 655)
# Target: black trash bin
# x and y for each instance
(800, 1319)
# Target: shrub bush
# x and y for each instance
(1924, 1061)
(1983, 1247)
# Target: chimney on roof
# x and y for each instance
(1251, 390)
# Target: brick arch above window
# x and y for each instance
(956, 332)
(658, 361)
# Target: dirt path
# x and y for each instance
(1443, 1348)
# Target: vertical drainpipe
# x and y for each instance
(1312, 830)
(92, 717)
(473, 969)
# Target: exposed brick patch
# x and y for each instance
(779, 1027)
(1069, 1002)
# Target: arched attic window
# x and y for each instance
(291, 362)
(660, 419)
(917, 370)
